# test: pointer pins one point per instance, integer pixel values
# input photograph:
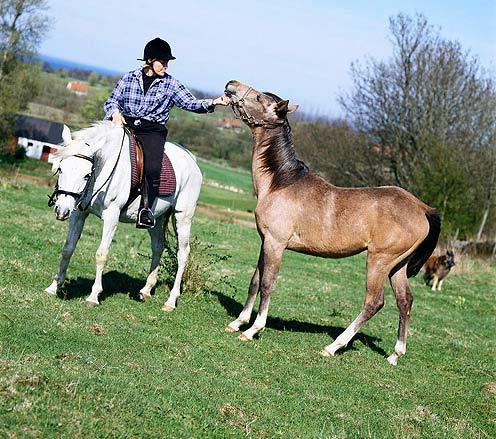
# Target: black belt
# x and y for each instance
(139, 123)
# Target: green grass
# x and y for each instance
(226, 176)
(126, 369)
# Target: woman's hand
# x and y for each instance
(221, 100)
(118, 119)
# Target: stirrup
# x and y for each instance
(146, 219)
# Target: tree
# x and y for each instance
(92, 109)
(93, 78)
(22, 26)
(429, 96)
(338, 152)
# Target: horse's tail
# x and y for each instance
(420, 255)
(167, 231)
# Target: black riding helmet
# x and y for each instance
(157, 49)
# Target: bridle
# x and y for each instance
(240, 111)
(80, 196)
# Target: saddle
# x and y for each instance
(167, 186)
(138, 185)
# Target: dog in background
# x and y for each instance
(437, 268)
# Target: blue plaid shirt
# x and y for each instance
(163, 94)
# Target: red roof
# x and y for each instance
(78, 86)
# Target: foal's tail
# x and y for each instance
(420, 255)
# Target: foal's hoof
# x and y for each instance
(393, 359)
(90, 304)
(231, 329)
(243, 337)
(168, 308)
(143, 297)
(326, 353)
(50, 292)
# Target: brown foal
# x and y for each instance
(300, 211)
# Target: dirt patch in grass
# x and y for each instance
(227, 215)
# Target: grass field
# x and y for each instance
(126, 369)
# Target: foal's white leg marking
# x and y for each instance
(434, 283)
(440, 283)
(244, 316)
(344, 338)
(110, 219)
(399, 350)
(258, 324)
(73, 234)
(183, 226)
(269, 265)
(157, 244)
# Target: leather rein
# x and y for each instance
(80, 196)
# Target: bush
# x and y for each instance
(197, 278)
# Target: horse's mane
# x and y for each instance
(89, 140)
(279, 156)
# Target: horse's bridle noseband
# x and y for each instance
(240, 111)
(78, 196)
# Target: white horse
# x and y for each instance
(95, 175)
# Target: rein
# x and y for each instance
(240, 112)
(79, 197)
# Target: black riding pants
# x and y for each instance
(152, 136)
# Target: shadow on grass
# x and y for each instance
(234, 308)
(114, 282)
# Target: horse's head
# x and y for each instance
(256, 108)
(74, 165)
(450, 259)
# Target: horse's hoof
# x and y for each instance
(168, 308)
(145, 297)
(91, 304)
(50, 292)
(393, 359)
(231, 329)
(243, 337)
(326, 353)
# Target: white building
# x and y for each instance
(39, 136)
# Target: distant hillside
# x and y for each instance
(59, 63)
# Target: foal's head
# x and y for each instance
(256, 108)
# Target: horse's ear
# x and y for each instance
(66, 134)
(292, 108)
(55, 163)
(283, 107)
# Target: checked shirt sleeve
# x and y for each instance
(112, 103)
(184, 99)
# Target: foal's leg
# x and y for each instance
(74, 233)
(269, 268)
(183, 227)
(377, 272)
(434, 283)
(110, 218)
(244, 316)
(157, 244)
(440, 284)
(404, 301)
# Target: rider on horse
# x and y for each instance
(142, 100)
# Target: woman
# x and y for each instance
(142, 100)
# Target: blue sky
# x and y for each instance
(300, 50)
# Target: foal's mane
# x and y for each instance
(90, 140)
(279, 156)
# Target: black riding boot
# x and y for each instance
(146, 219)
